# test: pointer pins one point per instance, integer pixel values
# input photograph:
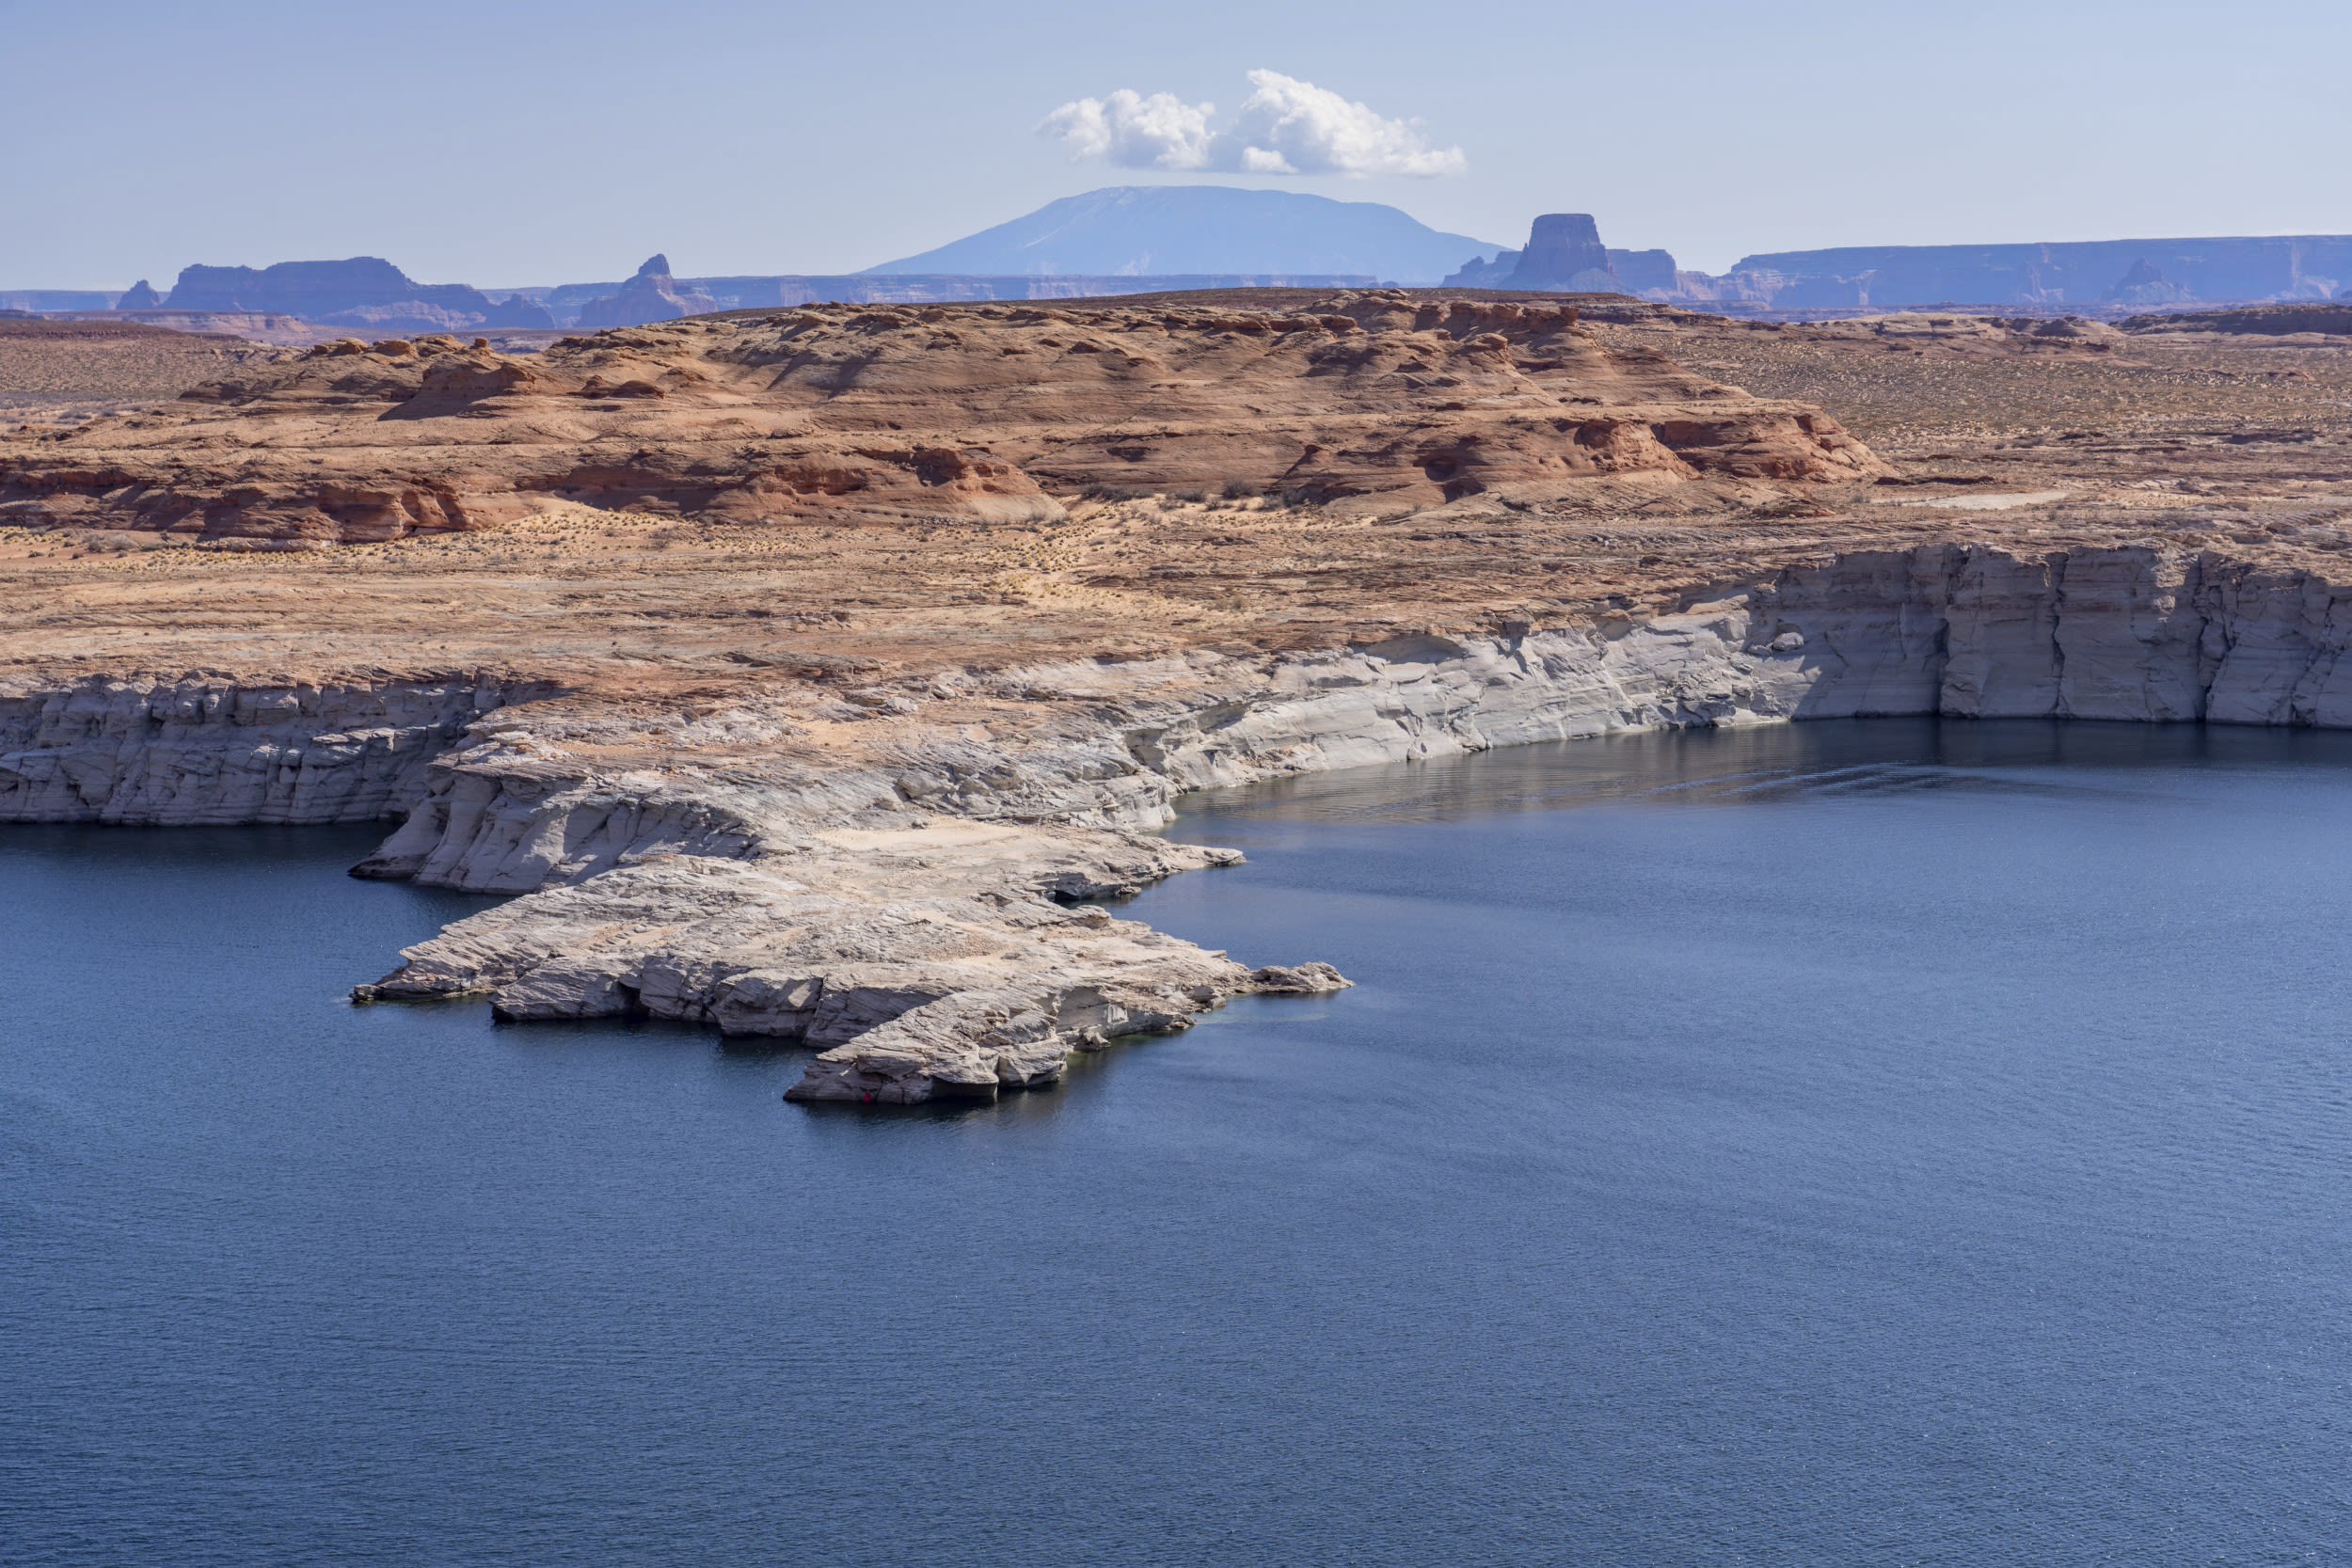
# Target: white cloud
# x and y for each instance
(1133, 132)
(1292, 127)
(1285, 126)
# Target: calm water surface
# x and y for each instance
(1860, 1143)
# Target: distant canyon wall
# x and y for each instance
(2153, 272)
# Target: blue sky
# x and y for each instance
(535, 143)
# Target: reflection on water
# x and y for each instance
(1770, 762)
(1852, 1143)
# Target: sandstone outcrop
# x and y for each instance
(1379, 401)
(900, 917)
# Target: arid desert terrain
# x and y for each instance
(808, 673)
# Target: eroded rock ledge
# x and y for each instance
(890, 879)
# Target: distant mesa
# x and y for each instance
(651, 295)
(1162, 230)
(1646, 272)
(366, 292)
(1176, 238)
(1561, 255)
(1564, 254)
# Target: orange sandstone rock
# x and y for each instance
(1374, 400)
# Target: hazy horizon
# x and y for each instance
(530, 143)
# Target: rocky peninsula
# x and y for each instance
(813, 674)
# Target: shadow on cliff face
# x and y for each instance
(1684, 767)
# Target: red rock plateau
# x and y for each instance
(1373, 402)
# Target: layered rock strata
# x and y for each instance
(989, 412)
(208, 753)
(900, 899)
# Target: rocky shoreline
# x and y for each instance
(810, 673)
(898, 874)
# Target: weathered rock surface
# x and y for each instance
(927, 961)
(995, 412)
(199, 753)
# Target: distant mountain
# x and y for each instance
(1130, 230)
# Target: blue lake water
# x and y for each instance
(1879, 1142)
